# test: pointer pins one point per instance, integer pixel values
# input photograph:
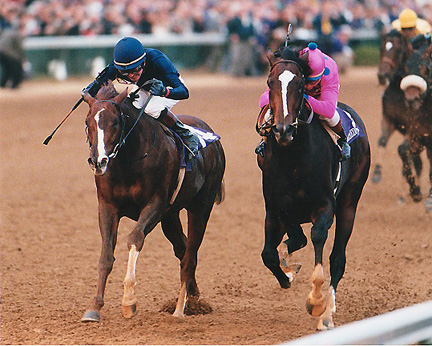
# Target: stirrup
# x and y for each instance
(260, 149)
(345, 151)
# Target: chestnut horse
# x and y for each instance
(139, 174)
(305, 182)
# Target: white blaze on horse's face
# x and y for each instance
(388, 46)
(285, 78)
(101, 156)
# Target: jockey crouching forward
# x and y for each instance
(321, 92)
(135, 64)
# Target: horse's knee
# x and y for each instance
(270, 258)
(136, 238)
(403, 150)
(382, 141)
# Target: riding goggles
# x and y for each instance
(131, 71)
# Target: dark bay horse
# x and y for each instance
(416, 89)
(305, 182)
(138, 174)
(395, 51)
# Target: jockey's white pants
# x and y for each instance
(156, 105)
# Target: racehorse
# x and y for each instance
(304, 181)
(139, 173)
(394, 53)
(417, 97)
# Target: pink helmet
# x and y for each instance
(316, 61)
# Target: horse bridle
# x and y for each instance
(123, 137)
(270, 123)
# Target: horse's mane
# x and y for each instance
(394, 33)
(293, 53)
(106, 92)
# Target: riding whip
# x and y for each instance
(288, 34)
(46, 141)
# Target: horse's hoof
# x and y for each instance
(376, 176)
(428, 204)
(129, 311)
(178, 314)
(91, 316)
(417, 198)
(315, 309)
(325, 324)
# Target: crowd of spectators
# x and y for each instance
(250, 25)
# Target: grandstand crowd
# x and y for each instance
(250, 25)
(129, 17)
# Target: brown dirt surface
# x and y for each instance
(50, 241)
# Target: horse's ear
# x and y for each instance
(120, 97)
(304, 57)
(89, 99)
(270, 56)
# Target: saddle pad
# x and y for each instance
(351, 129)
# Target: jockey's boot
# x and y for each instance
(190, 139)
(342, 142)
(260, 149)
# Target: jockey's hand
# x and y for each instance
(92, 88)
(158, 89)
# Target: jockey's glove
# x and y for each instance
(92, 88)
(158, 89)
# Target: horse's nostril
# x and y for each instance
(91, 162)
(104, 162)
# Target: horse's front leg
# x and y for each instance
(108, 225)
(387, 130)
(316, 300)
(428, 202)
(270, 256)
(147, 220)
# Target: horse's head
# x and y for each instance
(418, 75)
(105, 127)
(392, 55)
(286, 84)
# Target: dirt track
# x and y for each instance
(50, 241)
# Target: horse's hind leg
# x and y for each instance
(387, 130)
(197, 222)
(173, 230)
(428, 202)
(405, 152)
(108, 225)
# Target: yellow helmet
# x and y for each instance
(408, 18)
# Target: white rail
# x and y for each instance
(405, 326)
(64, 42)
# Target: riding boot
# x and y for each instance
(342, 141)
(260, 149)
(190, 139)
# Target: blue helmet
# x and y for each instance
(128, 54)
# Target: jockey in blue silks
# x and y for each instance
(136, 65)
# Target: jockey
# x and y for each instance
(135, 64)
(410, 25)
(321, 92)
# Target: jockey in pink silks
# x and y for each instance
(321, 92)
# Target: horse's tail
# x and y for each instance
(220, 195)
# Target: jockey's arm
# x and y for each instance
(325, 106)
(108, 73)
(176, 89)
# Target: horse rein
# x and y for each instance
(123, 137)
